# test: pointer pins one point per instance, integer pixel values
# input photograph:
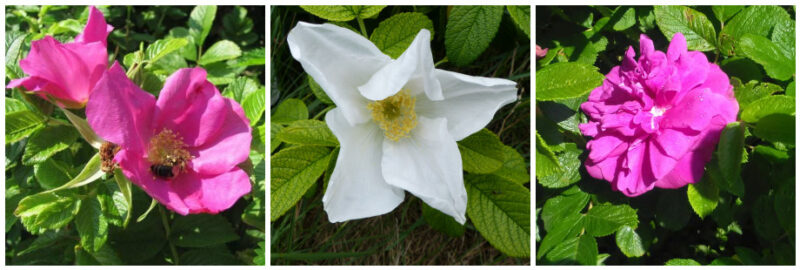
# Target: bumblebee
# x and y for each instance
(163, 171)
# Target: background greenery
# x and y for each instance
(413, 233)
(741, 212)
(110, 221)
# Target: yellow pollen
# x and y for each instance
(395, 115)
(167, 148)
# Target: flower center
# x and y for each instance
(167, 154)
(395, 115)
(657, 111)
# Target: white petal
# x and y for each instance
(413, 67)
(428, 165)
(356, 188)
(339, 60)
(469, 103)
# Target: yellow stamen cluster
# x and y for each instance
(167, 148)
(395, 115)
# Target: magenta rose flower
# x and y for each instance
(183, 149)
(67, 73)
(656, 120)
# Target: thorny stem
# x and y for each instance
(165, 222)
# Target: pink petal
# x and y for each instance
(120, 112)
(677, 47)
(96, 28)
(190, 105)
(645, 45)
(675, 143)
(210, 194)
(696, 108)
(662, 163)
(137, 169)
(228, 146)
(635, 178)
(605, 146)
(71, 70)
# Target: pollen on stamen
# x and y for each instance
(167, 148)
(395, 115)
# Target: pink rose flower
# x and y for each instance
(655, 121)
(540, 53)
(183, 149)
(67, 73)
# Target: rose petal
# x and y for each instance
(356, 188)
(339, 60)
(96, 28)
(469, 102)
(413, 69)
(136, 168)
(120, 112)
(228, 146)
(210, 194)
(428, 164)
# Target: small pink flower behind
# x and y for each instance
(183, 149)
(656, 121)
(67, 73)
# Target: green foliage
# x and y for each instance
(741, 212)
(566, 80)
(61, 208)
(470, 29)
(481, 152)
(395, 34)
(500, 210)
(343, 13)
(294, 170)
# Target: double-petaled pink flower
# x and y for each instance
(183, 149)
(655, 121)
(67, 73)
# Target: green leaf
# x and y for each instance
(522, 17)
(254, 105)
(729, 155)
(289, 111)
(307, 132)
(680, 261)
(481, 152)
(15, 105)
(240, 88)
(343, 13)
(581, 250)
(91, 225)
(566, 80)
(51, 173)
(725, 12)
(571, 165)
(189, 51)
(91, 172)
(162, 47)
(20, 124)
(748, 256)
(209, 256)
(563, 228)
(672, 212)
(293, 170)
(48, 210)
(546, 161)
(395, 34)
(515, 168)
(752, 91)
(629, 242)
(124, 185)
(605, 219)
(785, 205)
(221, 50)
(790, 89)
(783, 36)
(317, 90)
(260, 258)
(703, 196)
(765, 219)
(113, 204)
(105, 256)
(694, 25)
(627, 18)
(84, 129)
(254, 57)
(469, 31)
(756, 20)
(201, 230)
(776, 62)
(47, 142)
(742, 69)
(274, 142)
(776, 128)
(500, 211)
(13, 54)
(441, 222)
(200, 22)
(571, 201)
(766, 106)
